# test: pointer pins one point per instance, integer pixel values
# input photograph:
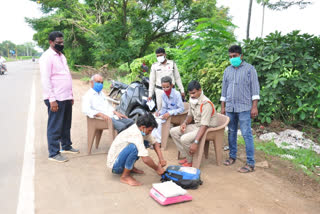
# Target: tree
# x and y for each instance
(116, 31)
(249, 18)
(26, 49)
(278, 5)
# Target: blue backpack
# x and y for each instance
(186, 177)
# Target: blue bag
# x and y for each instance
(186, 177)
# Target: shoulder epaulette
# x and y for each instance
(207, 101)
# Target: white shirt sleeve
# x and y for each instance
(86, 105)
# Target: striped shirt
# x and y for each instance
(240, 87)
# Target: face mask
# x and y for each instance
(97, 86)
(58, 47)
(236, 61)
(168, 92)
(161, 59)
(143, 134)
(193, 101)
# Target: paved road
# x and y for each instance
(15, 89)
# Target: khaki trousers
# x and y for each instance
(159, 93)
(184, 140)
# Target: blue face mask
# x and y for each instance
(236, 61)
(97, 86)
(143, 134)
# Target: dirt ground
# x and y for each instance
(85, 185)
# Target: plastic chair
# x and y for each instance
(95, 128)
(176, 120)
(215, 134)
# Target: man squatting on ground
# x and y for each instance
(131, 144)
(58, 96)
(164, 67)
(171, 105)
(95, 104)
(203, 113)
(239, 100)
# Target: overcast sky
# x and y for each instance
(14, 28)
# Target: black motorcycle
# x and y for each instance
(133, 102)
(117, 89)
(3, 68)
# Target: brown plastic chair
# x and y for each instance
(215, 134)
(95, 128)
(176, 120)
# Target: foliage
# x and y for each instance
(99, 32)
(289, 76)
(26, 49)
(148, 60)
(205, 53)
(202, 55)
(283, 5)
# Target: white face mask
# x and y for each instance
(193, 101)
(161, 59)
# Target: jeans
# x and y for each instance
(245, 127)
(122, 124)
(59, 125)
(126, 159)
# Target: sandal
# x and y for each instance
(246, 169)
(229, 162)
(183, 161)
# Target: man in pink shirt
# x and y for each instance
(58, 96)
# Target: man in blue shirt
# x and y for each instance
(171, 105)
(239, 100)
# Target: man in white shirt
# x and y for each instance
(2, 61)
(131, 144)
(95, 104)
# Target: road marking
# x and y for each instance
(26, 193)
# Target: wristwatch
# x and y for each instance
(196, 141)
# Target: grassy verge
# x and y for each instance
(304, 159)
(19, 58)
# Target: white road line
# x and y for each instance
(26, 193)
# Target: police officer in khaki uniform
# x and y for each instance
(203, 113)
(162, 68)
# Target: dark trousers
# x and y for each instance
(59, 125)
(121, 124)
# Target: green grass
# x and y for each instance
(18, 58)
(305, 157)
(85, 79)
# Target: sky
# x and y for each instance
(284, 21)
(15, 29)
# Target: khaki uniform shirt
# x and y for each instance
(159, 70)
(203, 118)
(130, 135)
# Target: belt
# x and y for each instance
(159, 87)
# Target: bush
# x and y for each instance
(288, 69)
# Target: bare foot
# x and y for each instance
(138, 171)
(130, 180)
